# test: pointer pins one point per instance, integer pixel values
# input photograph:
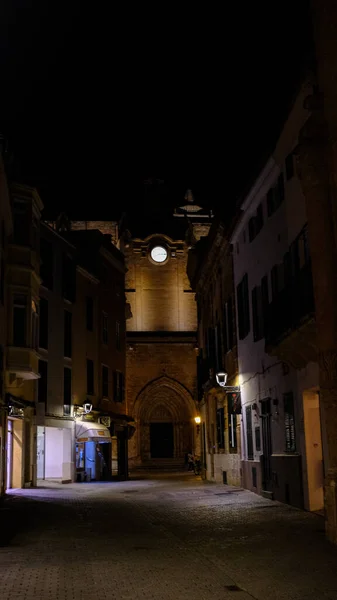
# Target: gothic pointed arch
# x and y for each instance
(164, 387)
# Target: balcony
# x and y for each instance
(291, 328)
(23, 362)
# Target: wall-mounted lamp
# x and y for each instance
(221, 379)
(197, 422)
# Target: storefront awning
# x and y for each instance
(86, 431)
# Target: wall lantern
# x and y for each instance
(221, 379)
(197, 422)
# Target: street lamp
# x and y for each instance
(197, 422)
(221, 379)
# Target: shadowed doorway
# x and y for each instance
(161, 440)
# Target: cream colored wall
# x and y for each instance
(18, 453)
(84, 342)
(162, 300)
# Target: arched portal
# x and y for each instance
(163, 411)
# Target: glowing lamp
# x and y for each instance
(221, 379)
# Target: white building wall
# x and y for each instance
(59, 452)
(53, 452)
(262, 375)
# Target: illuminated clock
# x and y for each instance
(159, 254)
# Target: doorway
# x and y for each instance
(161, 440)
(313, 450)
(267, 444)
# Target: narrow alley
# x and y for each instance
(162, 537)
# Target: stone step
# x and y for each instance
(160, 465)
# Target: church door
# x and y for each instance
(161, 440)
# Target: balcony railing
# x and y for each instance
(291, 308)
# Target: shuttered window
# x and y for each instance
(249, 429)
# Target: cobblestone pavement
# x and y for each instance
(163, 538)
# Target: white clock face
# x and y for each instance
(159, 254)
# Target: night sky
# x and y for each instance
(108, 107)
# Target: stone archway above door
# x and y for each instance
(160, 413)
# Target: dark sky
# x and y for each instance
(96, 100)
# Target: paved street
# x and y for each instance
(164, 537)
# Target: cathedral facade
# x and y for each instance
(161, 359)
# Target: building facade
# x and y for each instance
(6, 227)
(54, 416)
(98, 363)
(210, 270)
(22, 358)
(277, 350)
(161, 385)
(82, 426)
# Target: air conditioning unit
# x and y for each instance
(105, 421)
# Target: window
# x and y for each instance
(249, 429)
(66, 391)
(232, 421)
(118, 335)
(118, 386)
(289, 422)
(251, 229)
(19, 320)
(105, 381)
(90, 313)
(47, 263)
(68, 278)
(90, 377)
(289, 163)
(279, 190)
(243, 307)
(257, 439)
(21, 223)
(265, 302)
(43, 333)
(43, 382)
(255, 224)
(228, 325)
(220, 428)
(257, 313)
(104, 328)
(67, 334)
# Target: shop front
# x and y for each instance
(93, 451)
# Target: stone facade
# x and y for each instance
(161, 354)
(210, 268)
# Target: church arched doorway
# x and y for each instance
(164, 411)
